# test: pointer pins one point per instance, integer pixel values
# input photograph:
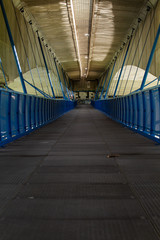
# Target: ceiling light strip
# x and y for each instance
(92, 31)
(75, 30)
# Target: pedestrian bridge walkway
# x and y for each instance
(81, 177)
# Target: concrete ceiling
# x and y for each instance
(84, 34)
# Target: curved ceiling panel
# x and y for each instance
(84, 50)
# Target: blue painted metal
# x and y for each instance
(40, 91)
(3, 73)
(144, 44)
(59, 79)
(139, 111)
(122, 66)
(39, 40)
(48, 59)
(104, 83)
(13, 47)
(21, 114)
(150, 58)
(24, 46)
(110, 79)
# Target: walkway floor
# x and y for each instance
(82, 177)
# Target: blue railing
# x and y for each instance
(20, 113)
(139, 111)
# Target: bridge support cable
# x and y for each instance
(139, 20)
(70, 87)
(104, 83)
(110, 78)
(116, 71)
(127, 60)
(65, 82)
(39, 56)
(6, 84)
(123, 65)
(13, 47)
(25, 51)
(37, 89)
(40, 44)
(49, 64)
(144, 45)
(150, 58)
(33, 52)
(97, 90)
(59, 78)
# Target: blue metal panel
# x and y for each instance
(124, 110)
(21, 115)
(40, 111)
(14, 114)
(130, 99)
(33, 112)
(37, 111)
(5, 116)
(147, 111)
(140, 111)
(155, 111)
(28, 113)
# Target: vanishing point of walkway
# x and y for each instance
(82, 177)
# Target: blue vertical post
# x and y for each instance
(13, 47)
(150, 59)
(110, 79)
(104, 83)
(65, 83)
(122, 67)
(59, 79)
(39, 40)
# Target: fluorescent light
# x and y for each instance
(75, 29)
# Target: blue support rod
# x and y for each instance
(40, 91)
(13, 47)
(150, 58)
(104, 83)
(122, 67)
(110, 79)
(59, 78)
(39, 40)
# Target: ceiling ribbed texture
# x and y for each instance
(100, 27)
